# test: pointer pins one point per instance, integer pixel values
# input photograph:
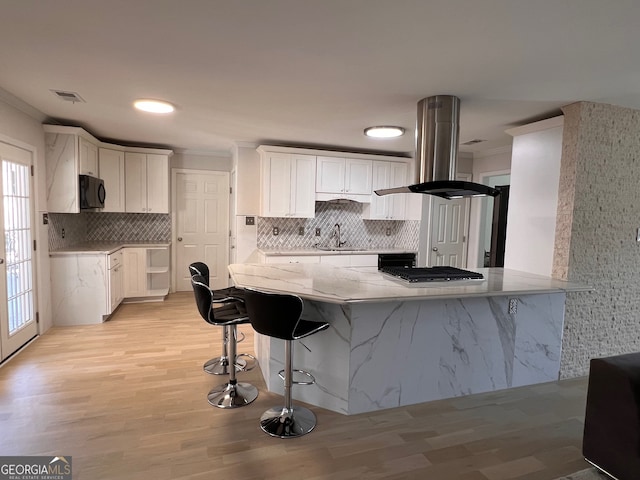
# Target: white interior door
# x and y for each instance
(201, 225)
(448, 232)
(17, 277)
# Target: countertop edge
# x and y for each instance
(105, 250)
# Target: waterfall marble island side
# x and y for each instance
(390, 344)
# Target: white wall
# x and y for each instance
(533, 197)
(246, 162)
(202, 161)
(22, 130)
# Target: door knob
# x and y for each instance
(435, 249)
(179, 239)
(1, 261)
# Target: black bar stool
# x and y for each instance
(220, 365)
(231, 314)
(278, 315)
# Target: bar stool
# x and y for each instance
(278, 316)
(220, 365)
(231, 394)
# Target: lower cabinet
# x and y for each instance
(146, 272)
(337, 260)
(85, 288)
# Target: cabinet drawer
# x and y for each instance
(114, 259)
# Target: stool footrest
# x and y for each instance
(246, 366)
(306, 374)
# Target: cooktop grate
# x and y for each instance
(431, 274)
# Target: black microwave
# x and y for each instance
(92, 192)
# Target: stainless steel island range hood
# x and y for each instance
(437, 153)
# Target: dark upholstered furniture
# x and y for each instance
(611, 439)
(220, 365)
(232, 394)
(279, 316)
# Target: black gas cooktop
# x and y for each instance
(430, 274)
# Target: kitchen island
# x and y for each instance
(391, 344)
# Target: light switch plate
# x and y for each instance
(276, 231)
(250, 220)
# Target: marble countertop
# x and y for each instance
(94, 248)
(328, 283)
(344, 251)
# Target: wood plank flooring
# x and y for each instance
(127, 400)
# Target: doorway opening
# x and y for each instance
(487, 230)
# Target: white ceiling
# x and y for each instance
(315, 72)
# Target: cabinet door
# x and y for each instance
(135, 168)
(88, 158)
(379, 208)
(111, 166)
(303, 183)
(135, 272)
(275, 185)
(397, 178)
(330, 175)
(337, 260)
(115, 288)
(292, 259)
(157, 183)
(357, 176)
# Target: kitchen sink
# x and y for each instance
(342, 249)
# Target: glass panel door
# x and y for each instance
(17, 297)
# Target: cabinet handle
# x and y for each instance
(179, 239)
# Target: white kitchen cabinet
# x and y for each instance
(63, 159)
(146, 272)
(86, 288)
(146, 183)
(116, 280)
(111, 168)
(287, 185)
(291, 259)
(346, 260)
(88, 157)
(343, 175)
(387, 207)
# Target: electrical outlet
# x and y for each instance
(317, 232)
(276, 231)
(62, 233)
(45, 218)
(513, 306)
(300, 230)
(250, 220)
(388, 232)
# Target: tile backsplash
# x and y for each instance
(354, 230)
(107, 227)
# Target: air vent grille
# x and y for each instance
(68, 96)
(474, 141)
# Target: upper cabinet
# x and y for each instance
(146, 183)
(111, 166)
(71, 151)
(387, 207)
(349, 176)
(287, 184)
(68, 153)
(88, 157)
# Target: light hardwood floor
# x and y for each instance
(127, 400)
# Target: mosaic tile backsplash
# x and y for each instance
(354, 230)
(107, 227)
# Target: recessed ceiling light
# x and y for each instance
(153, 106)
(384, 131)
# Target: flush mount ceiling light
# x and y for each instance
(384, 131)
(153, 106)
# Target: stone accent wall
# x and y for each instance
(598, 218)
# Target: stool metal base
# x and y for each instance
(228, 395)
(220, 366)
(287, 423)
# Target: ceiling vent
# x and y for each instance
(72, 97)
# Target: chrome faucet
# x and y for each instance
(336, 235)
